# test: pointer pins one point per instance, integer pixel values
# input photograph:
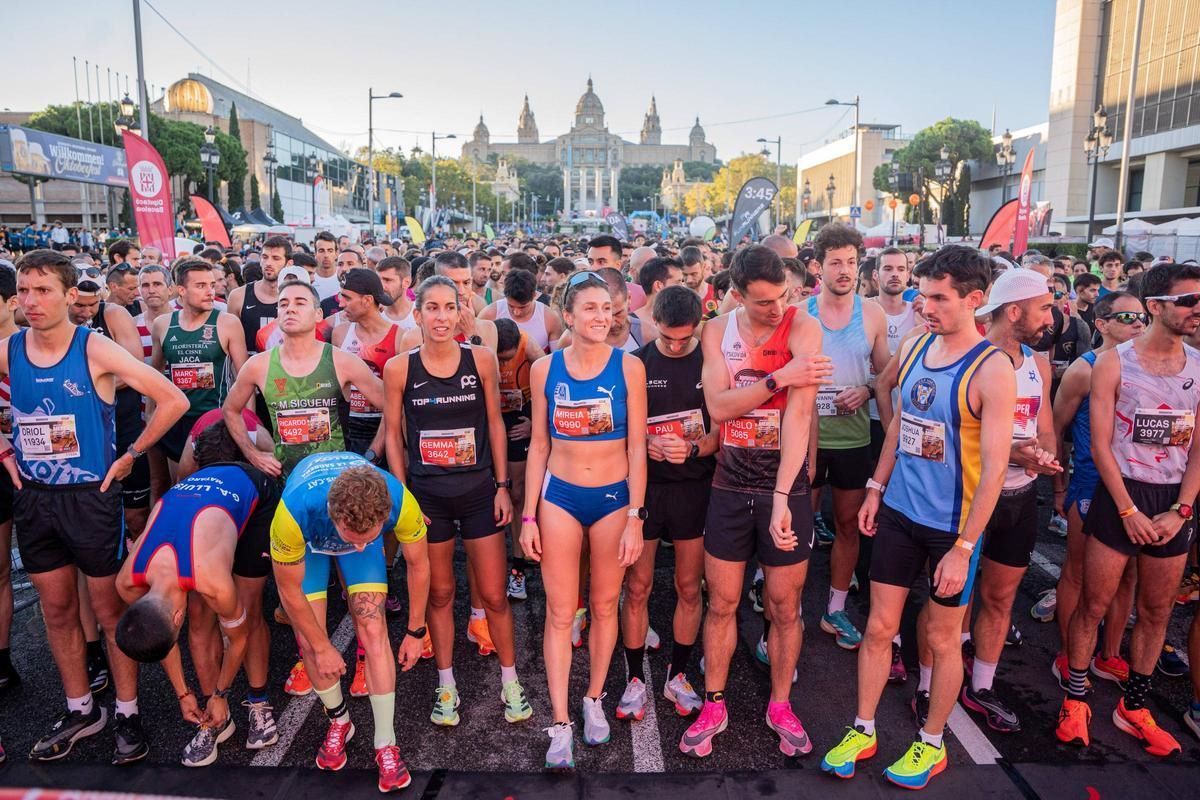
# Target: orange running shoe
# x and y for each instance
(281, 616)
(297, 682)
(358, 686)
(1140, 725)
(1073, 719)
(477, 632)
(427, 647)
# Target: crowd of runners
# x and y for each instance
(335, 418)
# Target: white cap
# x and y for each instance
(293, 274)
(1101, 242)
(1013, 286)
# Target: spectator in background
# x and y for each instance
(1087, 290)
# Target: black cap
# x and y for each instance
(366, 281)
(806, 255)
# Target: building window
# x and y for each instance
(1191, 188)
(1136, 178)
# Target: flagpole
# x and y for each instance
(84, 193)
(87, 77)
(143, 100)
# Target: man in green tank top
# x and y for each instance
(198, 348)
(306, 385)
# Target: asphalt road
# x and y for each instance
(487, 757)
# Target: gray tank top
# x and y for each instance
(1155, 418)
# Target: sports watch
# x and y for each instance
(1183, 510)
(772, 384)
(640, 512)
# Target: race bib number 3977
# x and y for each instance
(1163, 427)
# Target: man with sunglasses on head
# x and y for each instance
(124, 259)
(1143, 414)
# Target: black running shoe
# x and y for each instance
(97, 667)
(131, 739)
(68, 729)
(920, 708)
(1000, 717)
(1014, 637)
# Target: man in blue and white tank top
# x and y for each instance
(1020, 311)
(1143, 416)
(855, 338)
(935, 487)
(67, 470)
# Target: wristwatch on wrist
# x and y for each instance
(876, 485)
(640, 512)
(695, 451)
(772, 384)
(504, 484)
(1183, 510)
(371, 456)
(222, 693)
(134, 453)
(419, 633)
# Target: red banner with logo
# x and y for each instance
(150, 195)
(1000, 228)
(211, 224)
(1021, 232)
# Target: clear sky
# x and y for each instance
(912, 62)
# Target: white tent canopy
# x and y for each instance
(1134, 227)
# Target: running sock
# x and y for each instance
(94, 650)
(83, 704)
(982, 675)
(966, 637)
(335, 705)
(714, 697)
(446, 678)
(681, 654)
(634, 662)
(257, 694)
(1136, 689)
(508, 674)
(766, 628)
(929, 738)
(758, 574)
(477, 613)
(1077, 683)
(383, 712)
(127, 708)
(837, 600)
(896, 640)
(867, 726)
(925, 680)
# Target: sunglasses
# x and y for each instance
(1059, 294)
(91, 272)
(582, 277)
(1190, 300)
(124, 269)
(1128, 317)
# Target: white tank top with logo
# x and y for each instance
(535, 326)
(1155, 418)
(1025, 417)
(897, 326)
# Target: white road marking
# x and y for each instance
(647, 738)
(1046, 565)
(297, 709)
(969, 735)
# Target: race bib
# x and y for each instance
(687, 425)
(303, 425)
(193, 376)
(452, 448)
(922, 438)
(759, 429)
(6, 420)
(1025, 417)
(1163, 427)
(48, 438)
(590, 417)
(825, 406)
(360, 406)
(511, 400)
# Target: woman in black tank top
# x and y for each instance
(442, 418)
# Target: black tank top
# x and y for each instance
(675, 404)
(128, 401)
(446, 426)
(255, 315)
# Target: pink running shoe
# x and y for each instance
(793, 739)
(697, 739)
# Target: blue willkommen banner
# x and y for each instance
(30, 152)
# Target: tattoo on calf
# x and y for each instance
(367, 605)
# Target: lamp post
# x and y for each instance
(778, 142)
(371, 98)
(806, 197)
(1006, 157)
(210, 156)
(311, 172)
(829, 190)
(854, 187)
(433, 188)
(269, 162)
(1095, 147)
(944, 171)
(125, 121)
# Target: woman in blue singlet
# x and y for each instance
(588, 452)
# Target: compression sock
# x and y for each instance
(681, 654)
(634, 661)
(335, 706)
(1077, 683)
(1136, 689)
(383, 712)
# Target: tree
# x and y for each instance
(718, 197)
(236, 191)
(255, 203)
(276, 206)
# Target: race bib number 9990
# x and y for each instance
(590, 417)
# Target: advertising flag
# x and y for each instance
(755, 197)
(1021, 233)
(802, 231)
(619, 228)
(999, 229)
(211, 224)
(489, 232)
(415, 231)
(150, 195)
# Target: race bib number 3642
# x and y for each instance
(449, 448)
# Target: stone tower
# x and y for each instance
(527, 132)
(651, 128)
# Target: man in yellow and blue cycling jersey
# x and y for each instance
(333, 509)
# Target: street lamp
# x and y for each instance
(806, 197)
(1006, 157)
(125, 121)
(371, 98)
(433, 190)
(829, 190)
(1095, 147)
(269, 166)
(311, 173)
(778, 142)
(944, 172)
(210, 156)
(854, 187)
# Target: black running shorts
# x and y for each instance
(902, 548)
(77, 524)
(1105, 524)
(738, 528)
(1011, 533)
(471, 513)
(677, 510)
(847, 470)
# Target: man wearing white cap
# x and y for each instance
(1020, 311)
